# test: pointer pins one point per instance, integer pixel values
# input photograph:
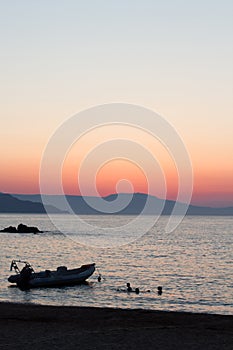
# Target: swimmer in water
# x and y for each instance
(129, 288)
(160, 290)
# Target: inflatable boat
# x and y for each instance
(27, 278)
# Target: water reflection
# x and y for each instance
(192, 265)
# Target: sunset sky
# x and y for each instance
(173, 57)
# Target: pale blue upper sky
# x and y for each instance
(79, 53)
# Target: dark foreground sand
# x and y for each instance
(27, 326)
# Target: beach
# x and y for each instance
(30, 326)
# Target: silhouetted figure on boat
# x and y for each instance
(25, 275)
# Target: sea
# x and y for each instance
(193, 264)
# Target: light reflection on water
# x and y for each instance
(193, 264)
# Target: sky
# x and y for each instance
(174, 57)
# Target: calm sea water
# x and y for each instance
(194, 264)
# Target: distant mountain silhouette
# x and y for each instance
(134, 207)
(10, 204)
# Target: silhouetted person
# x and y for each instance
(25, 276)
(99, 278)
(160, 290)
(137, 290)
(129, 288)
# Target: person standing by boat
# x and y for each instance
(25, 276)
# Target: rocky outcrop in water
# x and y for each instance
(21, 229)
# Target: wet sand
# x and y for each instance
(27, 326)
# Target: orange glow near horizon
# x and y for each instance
(213, 180)
(107, 178)
(209, 189)
(113, 171)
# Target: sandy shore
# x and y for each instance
(27, 326)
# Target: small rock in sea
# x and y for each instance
(21, 229)
(27, 229)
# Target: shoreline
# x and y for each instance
(72, 327)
